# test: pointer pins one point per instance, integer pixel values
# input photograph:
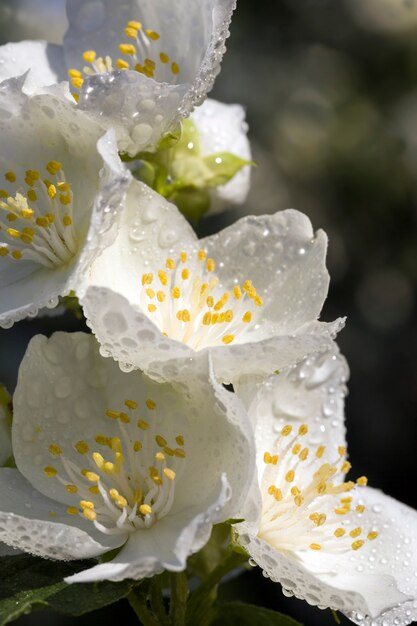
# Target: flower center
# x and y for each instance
(187, 303)
(306, 505)
(128, 482)
(36, 218)
(136, 53)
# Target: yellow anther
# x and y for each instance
(94, 490)
(185, 274)
(175, 68)
(320, 451)
(98, 460)
(32, 196)
(355, 532)
(90, 514)
(73, 73)
(27, 214)
(184, 315)
(82, 447)
(151, 308)
(342, 450)
(339, 532)
(137, 446)
(131, 404)
(10, 176)
(72, 510)
(91, 476)
(11, 217)
(116, 444)
(170, 264)
(164, 58)
(109, 467)
(127, 48)
(169, 451)
(71, 488)
(54, 167)
(147, 279)
(160, 456)
(357, 544)
(149, 64)
(183, 257)
(258, 301)
(153, 35)
(315, 546)
(342, 511)
(237, 292)
(163, 277)
(51, 191)
(210, 301)
(360, 508)
(50, 471)
(304, 454)
(180, 440)
(150, 293)
(289, 476)
(176, 293)
(76, 97)
(142, 425)
(372, 535)
(65, 200)
(228, 339)
(346, 467)
(169, 473)
(77, 82)
(296, 449)
(180, 454)
(298, 500)
(202, 255)
(220, 303)
(303, 430)
(362, 481)
(134, 24)
(4, 251)
(247, 317)
(102, 440)
(150, 404)
(286, 430)
(114, 415)
(86, 504)
(145, 509)
(55, 449)
(161, 442)
(27, 235)
(17, 255)
(211, 265)
(89, 56)
(132, 33)
(16, 234)
(160, 296)
(270, 459)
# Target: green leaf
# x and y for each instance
(223, 167)
(170, 139)
(234, 613)
(30, 583)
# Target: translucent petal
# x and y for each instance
(191, 34)
(33, 19)
(222, 128)
(167, 546)
(39, 525)
(44, 60)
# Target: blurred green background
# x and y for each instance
(330, 88)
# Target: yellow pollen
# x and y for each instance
(202, 255)
(102, 440)
(91, 476)
(304, 454)
(164, 57)
(247, 317)
(153, 35)
(185, 274)
(183, 257)
(161, 441)
(131, 404)
(237, 292)
(72, 510)
(175, 68)
(180, 454)
(210, 265)
(360, 508)
(4, 251)
(169, 473)
(296, 449)
(160, 456)
(132, 33)
(71, 488)
(54, 167)
(51, 191)
(10, 176)
(339, 532)
(86, 504)
(142, 425)
(210, 301)
(90, 514)
(135, 25)
(150, 293)
(150, 404)
(50, 471)
(315, 546)
(170, 264)
(320, 451)
(89, 56)
(372, 535)
(82, 447)
(73, 73)
(160, 296)
(55, 449)
(163, 277)
(228, 339)
(345, 467)
(258, 301)
(149, 65)
(14, 233)
(94, 490)
(176, 293)
(109, 467)
(356, 545)
(147, 279)
(16, 254)
(362, 481)
(287, 430)
(137, 446)
(98, 460)
(270, 459)
(355, 532)
(77, 82)
(113, 414)
(145, 509)
(169, 451)
(303, 430)
(27, 213)
(151, 308)
(289, 476)
(32, 195)
(180, 440)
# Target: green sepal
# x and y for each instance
(232, 613)
(30, 583)
(6, 405)
(72, 304)
(193, 203)
(223, 167)
(170, 139)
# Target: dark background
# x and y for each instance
(330, 88)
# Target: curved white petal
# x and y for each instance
(37, 130)
(44, 60)
(222, 128)
(36, 524)
(143, 109)
(374, 585)
(167, 545)
(61, 421)
(33, 19)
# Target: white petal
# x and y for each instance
(191, 34)
(37, 130)
(284, 259)
(222, 128)
(64, 389)
(34, 19)
(44, 60)
(166, 546)
(39, 525)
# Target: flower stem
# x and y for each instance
(137, 600)
(179, 597)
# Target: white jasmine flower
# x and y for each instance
(222, 129)
(60, 188)
(329, 540)
(250, 295)
(107, 459)
(5, 426)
